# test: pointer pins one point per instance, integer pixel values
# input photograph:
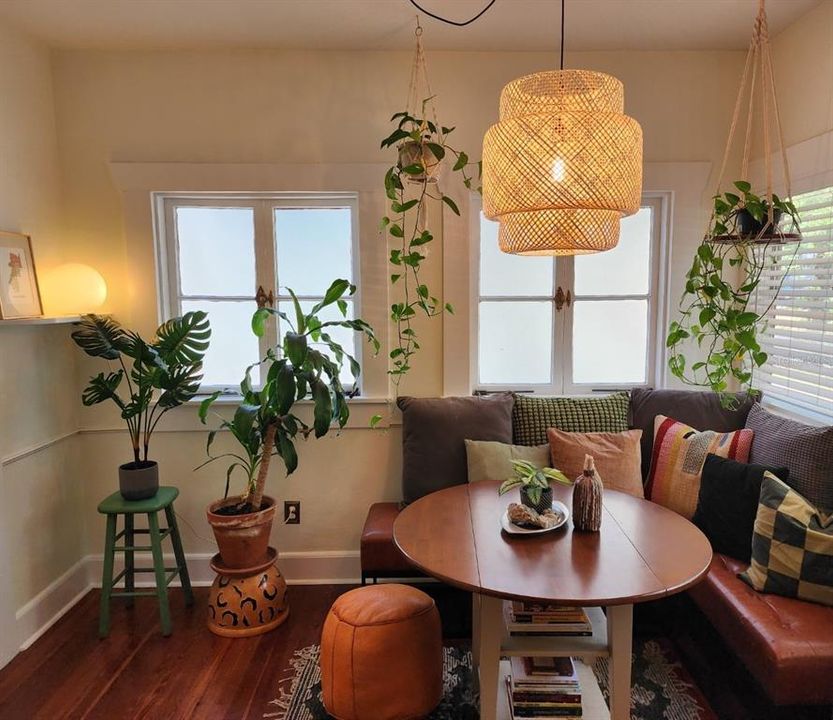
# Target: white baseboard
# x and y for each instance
(51, 603)
(327, 567)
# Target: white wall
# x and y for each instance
(42, 513)
(315, 107)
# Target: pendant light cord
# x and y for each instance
(456, 23)
(563, 3)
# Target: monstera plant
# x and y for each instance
(268, 421)
(145, 381)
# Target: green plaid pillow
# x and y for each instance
(792, 546)
(532, 416)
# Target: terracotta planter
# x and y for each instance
(138, 481)
(243, 540)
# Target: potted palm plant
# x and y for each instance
(157, 376)
(306, 365)
(534, 484)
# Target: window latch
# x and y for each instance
(262, 299)
(561, 299)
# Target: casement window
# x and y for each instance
(571, 324)
(220, 253)
(798, 333)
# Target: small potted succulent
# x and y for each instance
(306, 366)
(534, 484)
(162, 375)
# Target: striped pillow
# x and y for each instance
(678, 458)
(792, 547)
(531, 416)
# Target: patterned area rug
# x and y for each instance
(662, 689)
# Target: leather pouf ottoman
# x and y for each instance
(381, 654)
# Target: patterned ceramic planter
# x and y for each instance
(545, 503)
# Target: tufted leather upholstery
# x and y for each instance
(786, 644)
(381, 654)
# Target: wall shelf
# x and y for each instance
(58, 320)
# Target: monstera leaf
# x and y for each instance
(100, 336)
(183, 340)
(103, 387)
(179, 385)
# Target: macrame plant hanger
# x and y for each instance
(758, 75)
(420, 104)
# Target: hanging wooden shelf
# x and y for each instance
(779, 239)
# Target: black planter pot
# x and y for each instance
(545, 503)
(748, 227)
(138, 481)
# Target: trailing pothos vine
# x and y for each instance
(422, 146)
(718, 307)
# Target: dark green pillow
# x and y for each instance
(532, 415)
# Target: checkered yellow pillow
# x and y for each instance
(792, 546)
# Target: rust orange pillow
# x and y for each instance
(678, 457)
(617, 456)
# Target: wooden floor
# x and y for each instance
(136, 673)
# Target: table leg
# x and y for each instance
(475, 630)
(620, 639)
(491, 635)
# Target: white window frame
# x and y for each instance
(267, 269)
(561, 371)
(774, 392)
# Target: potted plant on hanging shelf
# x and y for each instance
(746, 217)
(534, 484)
(306, 365)
(158, 376)
(723, 306)
(422, 146)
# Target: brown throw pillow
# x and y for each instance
(617, 457)
(434, 431)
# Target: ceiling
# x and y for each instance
(510, 25)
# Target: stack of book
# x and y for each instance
(545, 688)
(528, 618)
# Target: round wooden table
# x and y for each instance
(643, 552)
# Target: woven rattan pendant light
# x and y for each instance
(563, 165)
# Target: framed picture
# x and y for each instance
(19, 292)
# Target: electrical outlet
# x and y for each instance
(292, 512)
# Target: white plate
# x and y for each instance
(510, 527)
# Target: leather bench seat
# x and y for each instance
(786, 644)
(379, 555)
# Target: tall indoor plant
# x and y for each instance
(157, 376)
(266, 422)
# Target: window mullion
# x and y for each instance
(562, 355)
(265, 266)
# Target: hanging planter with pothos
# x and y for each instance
(740, 267)
(422, 148)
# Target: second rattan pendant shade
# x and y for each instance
(563, 165)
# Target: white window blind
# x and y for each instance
(798, 333)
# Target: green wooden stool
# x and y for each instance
(116, 505)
